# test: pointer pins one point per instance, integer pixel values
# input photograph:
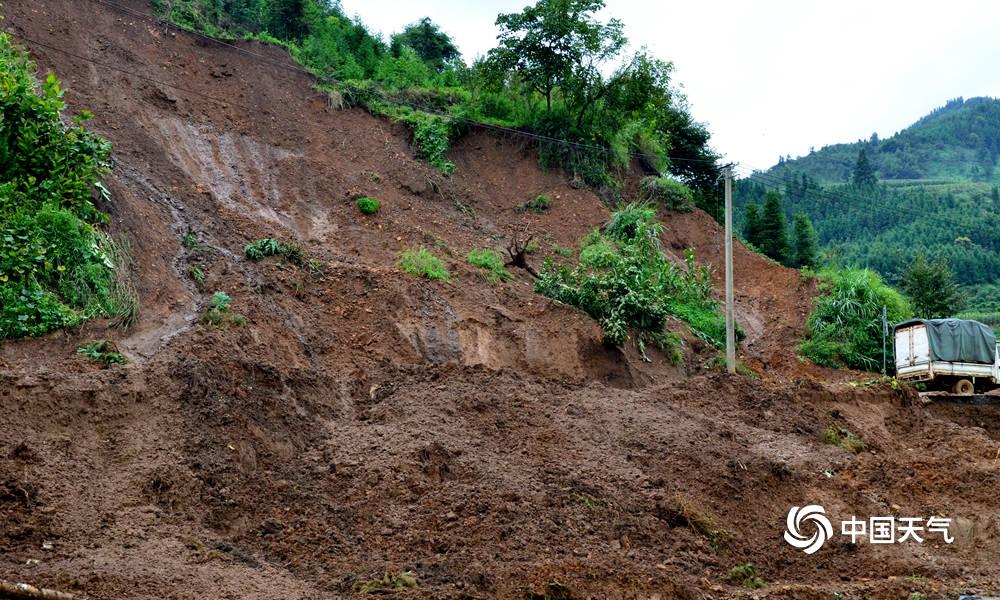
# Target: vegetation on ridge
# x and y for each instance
(57, 266)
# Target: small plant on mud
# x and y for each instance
(492, 264)
(388, 583)
(368, 206)
(422, 263)
(220, 313)
(540, 204)
(197, 274)
(746, 575)
(104, 351)
(835, 435)
(293, 253)
(685, 512)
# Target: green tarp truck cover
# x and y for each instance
(957, 340)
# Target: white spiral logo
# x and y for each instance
(793, 528)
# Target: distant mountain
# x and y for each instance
(936, 194)
(958, 142)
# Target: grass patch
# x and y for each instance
(490, 262)
(540, 204)
(422, 263)
(835, 435)
(388, 583)
(368, 206)
(103, 351)
(745, 575)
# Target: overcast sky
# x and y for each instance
(774, 77)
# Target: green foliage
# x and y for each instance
(220, 313)
(422, 263)
(845, 326)
(669, 193)
(368, 206)
(931, 288)
(623, 280)
(491, 263)
(540, 204)
(57, 268)
(746, 575)
(103, 351)
(670, 345)
(805, 247)
(835, 435)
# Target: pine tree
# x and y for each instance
(995, 196)
(774, 228)
(805, 247)
(931, 287)
(863, 175)
(751, 224)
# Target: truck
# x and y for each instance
(952, 355)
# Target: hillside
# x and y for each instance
(366, 433)
(957, 142)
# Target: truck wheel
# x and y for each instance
(963, 387)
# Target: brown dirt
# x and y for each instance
(363, 422)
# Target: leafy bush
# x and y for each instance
(491, 262)
(57, 268)
(103, 351)
(845, 326)
(423, 263)
(540, 204)
(623, 280)
(368, 206)
(668, 192)
(293, 253)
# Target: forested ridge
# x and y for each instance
(927, 191)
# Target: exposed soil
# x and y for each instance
(364, 423)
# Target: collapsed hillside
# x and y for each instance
(364, 423)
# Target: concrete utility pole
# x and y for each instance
(730, 326)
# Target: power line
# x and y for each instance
(393, 101)
(840, 195)
(134, 74)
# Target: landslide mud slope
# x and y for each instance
(365, 423)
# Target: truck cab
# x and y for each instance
(955, 355)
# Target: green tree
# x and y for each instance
(554, 43)
(863, 175)
(751, 224)
(930, 286)
(774, 228)
(432, 45)
(995, 196)
(805, 246)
